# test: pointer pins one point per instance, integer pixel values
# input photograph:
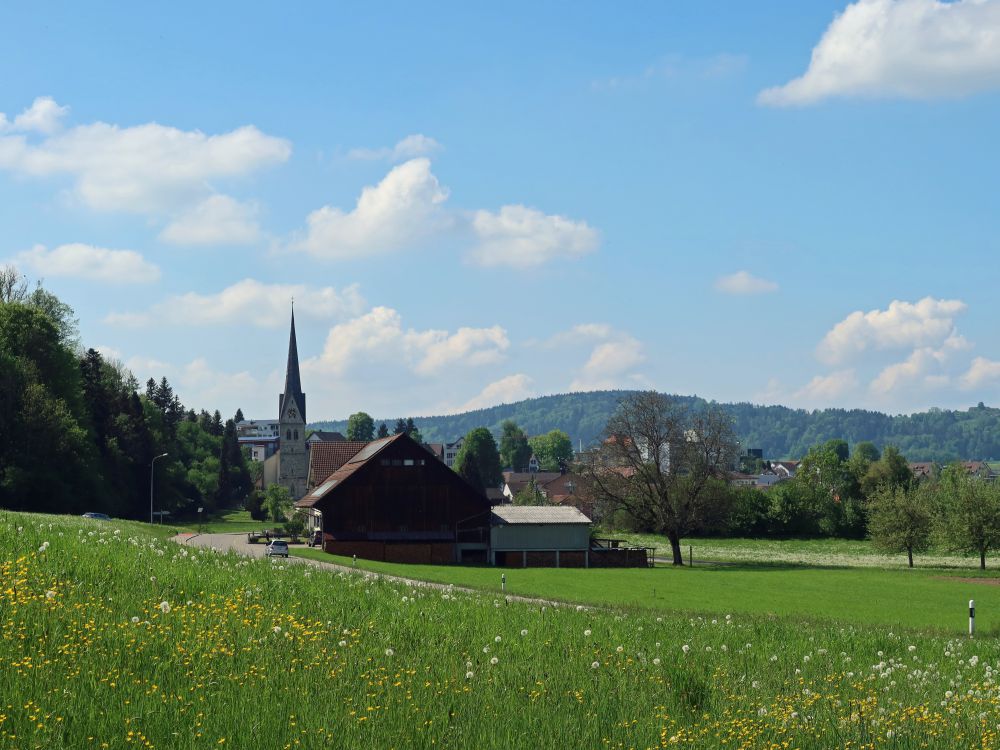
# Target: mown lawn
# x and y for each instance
(900, 598)
(223, 523)
(113, 638)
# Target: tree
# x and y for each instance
(890, 470)
(514, 448)
(255, 507)
(967, 516)
(412, 431)
(278, 501)
(664, 465)
(530, 495)
(478, 461)
(13, 286)
(360, 426)
(383, 431)
(400, 427)
(554, 450)
(238, 416)
(900, 519)
(825, 477)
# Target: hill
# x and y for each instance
(782, 432)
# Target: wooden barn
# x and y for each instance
(394, 501)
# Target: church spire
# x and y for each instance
(293, 383)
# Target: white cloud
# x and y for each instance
(141, 169)
(409, 147)
(523, 237)
(81, 261)
(217, 220)
(249, 302)
(405, 206)
(504, 391)
(743, 282)
(903, 325)
(924, 368)
(901, 48)
(378, 338)
(610, 365)
(824, 390)
(982, 372)
(43, 116)
(578, 334)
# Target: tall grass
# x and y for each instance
(112, 638)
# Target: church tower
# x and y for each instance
(293, 464)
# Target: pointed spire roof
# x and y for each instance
(293, 383)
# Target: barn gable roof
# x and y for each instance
(361, 456)
(326, 457)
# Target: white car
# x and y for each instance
(277, 548)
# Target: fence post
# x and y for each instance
(690, 556)
(972, 617)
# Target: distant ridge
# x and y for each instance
(934, 435)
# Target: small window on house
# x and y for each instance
(384, 462)
(397, 462)
(421, 462)
(408, 462)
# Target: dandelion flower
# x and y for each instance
(165, 607)
(135, 619)
(497, 639)
(524, 632)
(342, 644)
(595, 665)
(50, 595)
(586, 632)
(276, 628)
(656, 661)
(468, 675)
(620, 649)
(494, 661)
(389, 652)
(685, 648)
(45, 546)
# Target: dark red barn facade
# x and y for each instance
(395, 501)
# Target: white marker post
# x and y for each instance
(355, 561)
(972, 617)
(503, 581)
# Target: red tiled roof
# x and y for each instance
(325, 458)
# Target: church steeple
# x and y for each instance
(293, 383)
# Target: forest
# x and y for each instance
(940, 435)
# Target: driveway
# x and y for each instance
(237, 543)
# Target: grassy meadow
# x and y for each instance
(114, 638)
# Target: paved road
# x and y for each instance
(238, 543)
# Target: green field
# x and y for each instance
(113, 638)
(222, 523)
(901, 598)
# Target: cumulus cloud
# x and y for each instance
(903, 325)
(924, 368)
(610, 365)
(248, 302)
(406, 205)
(379, 338)
(578, 334)
(523, 237)
(80, 261)
(217, 220)
(914, 49)
(504, 391)
(982, 372)
(743, 282)
(43, 116)
(410, 147)
(141, 169)
(827, 389)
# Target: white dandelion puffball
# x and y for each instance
(164, 607)
(586, 632)
(524, 633)
(497, 639)
(389, 652)
(595, 665)
(620, 649)
(50, 595)
(656, 661)
(468, 675)
(342, 644)
(276, 628)
(135, 619)
(494, 661)
(685, 648)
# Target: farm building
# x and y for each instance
(525, 536)
(394, 501)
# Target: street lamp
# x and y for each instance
(152, 464)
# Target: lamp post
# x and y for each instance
(152, 464)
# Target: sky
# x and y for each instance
(775, 202)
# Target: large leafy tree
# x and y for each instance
(478, 461)
(554, 450)
(900, 519)
(664, 465)
(967, 517)
(360, 426)
(515, 451)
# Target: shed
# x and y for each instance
(525, 536)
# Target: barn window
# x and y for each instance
(407, 462)
(384, 462)
(397, 462)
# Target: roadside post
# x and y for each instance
(503, 581)
(355, 561)
(972, 617)
(200, 509)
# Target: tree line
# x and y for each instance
(78, 433)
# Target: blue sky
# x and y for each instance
(773, 202)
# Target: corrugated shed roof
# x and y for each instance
(516, 514)
(326, 458)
